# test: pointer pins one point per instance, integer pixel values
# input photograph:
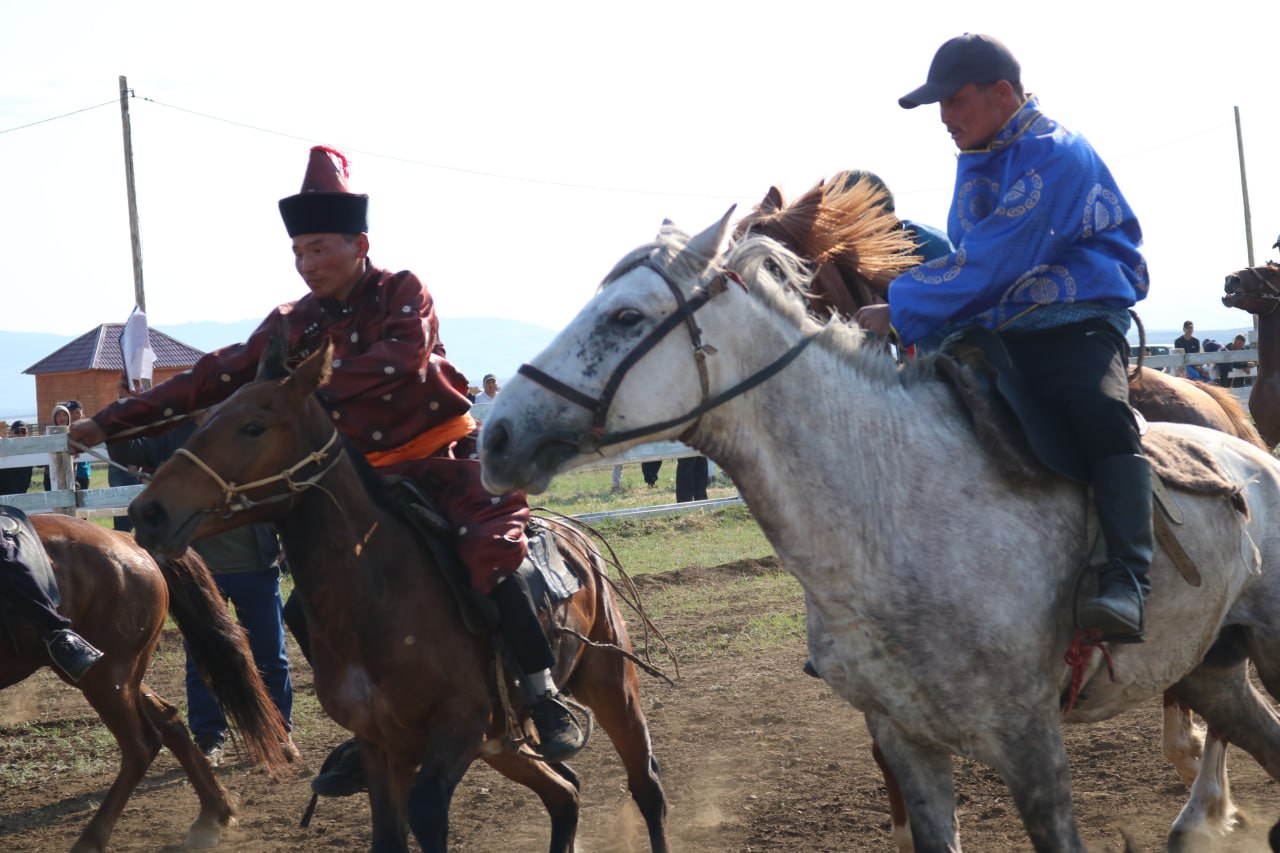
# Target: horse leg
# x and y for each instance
(606, 683)
(446, 760)
(923, 773)
(1235, 712)
(899, 821)
(216, 810)
(116, 702)
(1183, 743)
(1209, 813)
(1032, 759)
(388, 800)
(558, 792)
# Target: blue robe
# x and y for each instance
(1043, 238)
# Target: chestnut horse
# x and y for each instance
(116, 597)
(393, 658)
(1257, 290)
(840, 230)
(854, 253)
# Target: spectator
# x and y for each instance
(246, 567)
(691, 479)
(60, 417)
(1225, 378)
(82, 469)
(1189, 343)
(16, 481)
(490, 392)
(649, 470)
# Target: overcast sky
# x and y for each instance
(514, 151)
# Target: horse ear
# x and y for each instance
(271, 366)
(772, 200)
(707, 244)
(316, 370)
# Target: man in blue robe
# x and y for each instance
(1046, 254)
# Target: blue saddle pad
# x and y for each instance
(550, 579)
(20, 544)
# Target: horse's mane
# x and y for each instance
(777, 277)
(848, 225)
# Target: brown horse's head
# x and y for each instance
(849, 234)
(252, 457)
(1254, 289)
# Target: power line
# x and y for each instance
(55, 118)
(445, 167)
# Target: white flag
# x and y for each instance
(135, 345)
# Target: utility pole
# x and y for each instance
(134, 235)
(1244, 189)
(1248, 217)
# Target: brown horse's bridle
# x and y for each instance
(594, 439)
(235, 500)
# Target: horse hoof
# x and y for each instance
(205, 835)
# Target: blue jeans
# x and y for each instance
(256, 596)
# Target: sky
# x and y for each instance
(514, 151)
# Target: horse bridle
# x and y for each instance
(235, 500)
(593, 440)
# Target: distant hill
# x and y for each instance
(477, 345)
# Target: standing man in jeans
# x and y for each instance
(246, 566)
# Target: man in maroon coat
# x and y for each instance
(393, 395)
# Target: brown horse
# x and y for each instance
(1257, 290)
(116, 597)
(855, 249)
(393, 658)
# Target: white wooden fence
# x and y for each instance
(51, 450)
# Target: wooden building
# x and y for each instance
(89, 368)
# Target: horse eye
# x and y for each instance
(253, 429)
(627, 317)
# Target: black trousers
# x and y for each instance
(1080, 372)
(691, 479)
(18, 586)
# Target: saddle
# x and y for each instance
(550, 579)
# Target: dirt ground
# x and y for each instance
(755, 756)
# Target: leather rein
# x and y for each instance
(596, 438)
(235, 500)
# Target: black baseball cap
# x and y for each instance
(73, 404)
(18, 425)
(970, 58)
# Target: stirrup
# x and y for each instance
(1124, 636)
(577, 730)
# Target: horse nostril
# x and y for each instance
(149, 516)
(495, 438)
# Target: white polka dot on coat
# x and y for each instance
(388, 370)
(337, 362)
(377, 435)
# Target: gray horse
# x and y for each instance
(940, 587)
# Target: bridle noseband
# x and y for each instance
(235, 500)
(593, 440)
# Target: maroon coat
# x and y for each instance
(390, 383)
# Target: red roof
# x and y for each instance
(99, 349)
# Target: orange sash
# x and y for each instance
(425, 444)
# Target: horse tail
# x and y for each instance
(1241, 425)
(220, 649)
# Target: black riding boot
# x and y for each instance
(558, 734)
(1122, 496)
